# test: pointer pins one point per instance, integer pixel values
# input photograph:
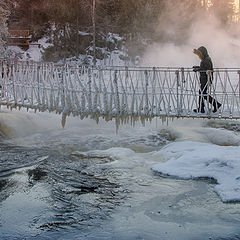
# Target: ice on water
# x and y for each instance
(193, 160)
(188, 158)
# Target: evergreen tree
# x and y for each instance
(68, 23)
(4, 13)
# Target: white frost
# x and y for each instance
(193, 160)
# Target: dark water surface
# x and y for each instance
(42, 191)
(48, 195)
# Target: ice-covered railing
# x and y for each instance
(126, 94)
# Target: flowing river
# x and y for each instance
(88, 181)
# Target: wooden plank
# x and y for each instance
(18, 39)
(19, 33)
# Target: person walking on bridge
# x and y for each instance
(205, 80)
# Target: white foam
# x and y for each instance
(192, 160)
(21, 123)
(112, 153)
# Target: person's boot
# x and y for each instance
(199, 110)
(201, 107)
(216, 106)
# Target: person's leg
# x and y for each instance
(201, 104)
(202, 96)
(216, 105)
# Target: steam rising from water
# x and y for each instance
(222, 44)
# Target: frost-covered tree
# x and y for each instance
(223, 10)
(4, 13)
(177, 18)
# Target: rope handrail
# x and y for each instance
(11, 62)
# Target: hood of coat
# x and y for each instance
(203, 51)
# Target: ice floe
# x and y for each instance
(194, 160)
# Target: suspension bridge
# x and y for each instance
(126, 94)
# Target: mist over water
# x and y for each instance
(222, 42)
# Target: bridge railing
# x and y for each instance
(121, 93)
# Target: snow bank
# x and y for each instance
(193, 160)
(34, 53)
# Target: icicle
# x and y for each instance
(68, 106)
(38, 88)
(89, 92)
(43, 104)
(95, 110)
(117, 101)
(46, 100)
(105, 101)
(111, 97)
(132, 103)
(75, 107)
(63, 77)
(117, 124)
(57, 100)
(83, 104)
(141, 109)
(51, 100)
(64, 117)
(77, 103)
(12, 73)
(124, 104)
(146, 107)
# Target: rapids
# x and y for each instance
(88, 182)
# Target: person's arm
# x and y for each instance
(196, 68)
(204, 66)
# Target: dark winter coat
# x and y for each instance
(205, 65)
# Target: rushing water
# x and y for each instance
(88, 182)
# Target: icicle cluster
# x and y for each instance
(124, 94)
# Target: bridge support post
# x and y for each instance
(177, 88)
(117, 104)
(181, 84)
(146, 108)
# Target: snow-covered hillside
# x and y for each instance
(117, 57)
